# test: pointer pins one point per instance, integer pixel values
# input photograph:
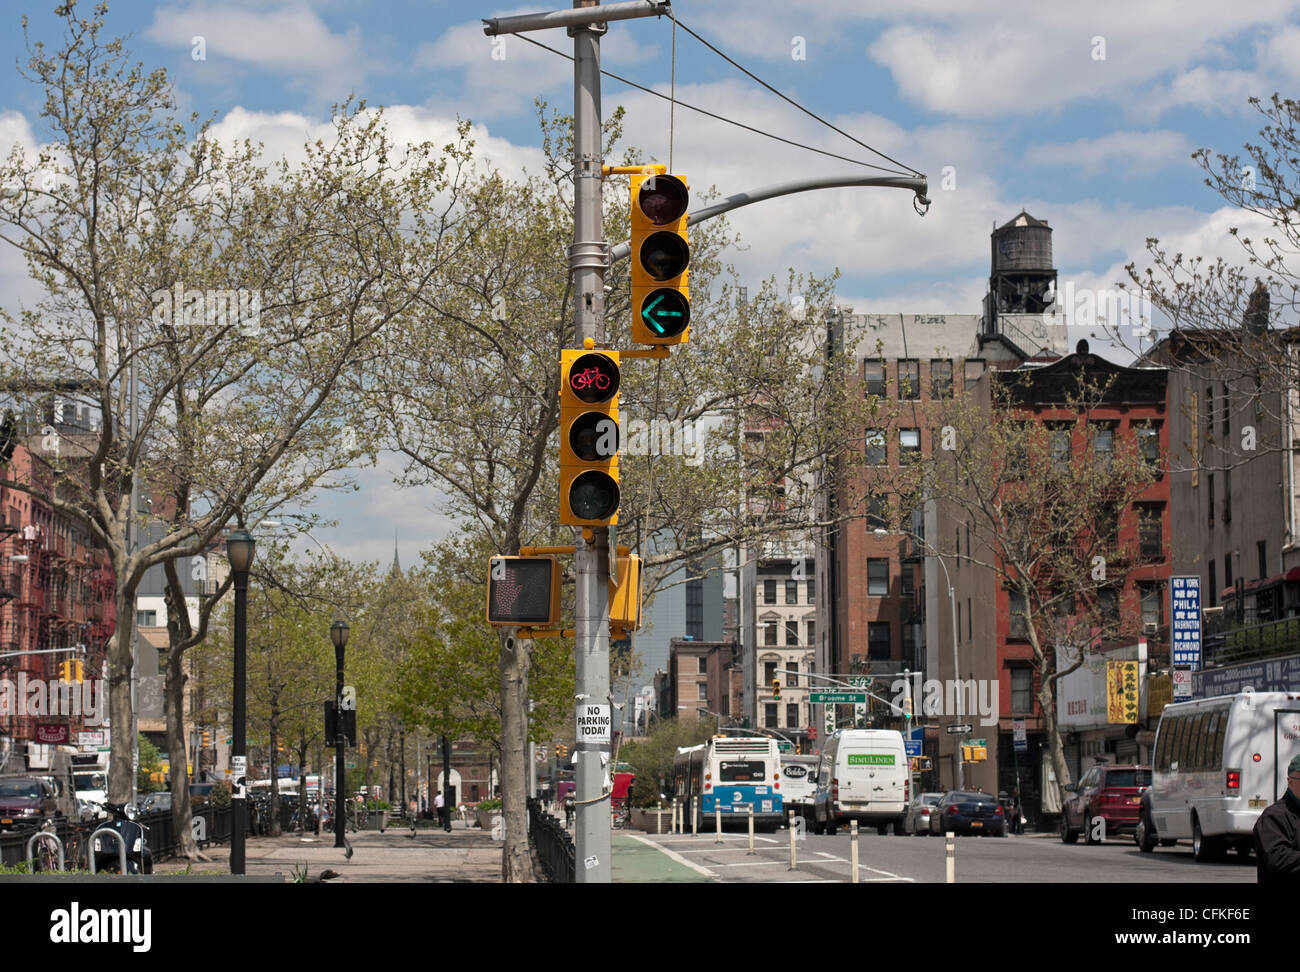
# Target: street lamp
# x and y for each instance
(240, 548)
(952, 610)
(339, 636)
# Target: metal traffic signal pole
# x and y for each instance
(588, 261)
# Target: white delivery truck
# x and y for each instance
(863, 775)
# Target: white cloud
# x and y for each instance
(288, 39)
(1137, 152)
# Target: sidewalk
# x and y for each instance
(467, 854)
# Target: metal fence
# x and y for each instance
(161, 835)
(553, 844)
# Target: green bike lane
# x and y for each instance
(640, 861)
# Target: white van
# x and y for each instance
(797, 775)
(863, 775)
(1218, 763)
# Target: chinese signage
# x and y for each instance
(1122, 691)
(1185, 612)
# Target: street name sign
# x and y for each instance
(836, 698)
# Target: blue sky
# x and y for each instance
(1084, 115)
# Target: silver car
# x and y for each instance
(917, 820)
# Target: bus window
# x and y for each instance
(1196, 747)
(1214, 739)
(1178, 751)
(1163, 745)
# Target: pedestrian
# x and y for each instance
(1277, 834)
(440, 807)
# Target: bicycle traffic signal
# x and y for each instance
(589, 434)
(661, 306)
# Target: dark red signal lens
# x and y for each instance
(663, 199)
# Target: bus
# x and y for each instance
(731, 775)
(1218, 763)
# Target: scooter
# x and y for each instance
(139, 860)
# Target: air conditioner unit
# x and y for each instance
(1150, 627)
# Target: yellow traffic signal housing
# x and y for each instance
(523, 591)
(589, 438)
(661, 257)
(967, 754)
(776, 688)
(979, 753)
(625, 596)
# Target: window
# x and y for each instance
(1103, 445)
(792, 715)
(812, 632)
(877, 512)
(1107, 604)
(957, 633)
(1019, 627)
(877, 576)
(941, 378)
(909, 380)
(1107, 521)
(1227, 495)
(769, 633)
(878, 643)
(769, 592)
(792, 674)
(1017, 454)
(1151, 597)
(704, 691)
(1262, 548)
(1151, 532)
(704, 665)
(1148, 443)
(1059, 442)
(909, 444)
(791, 592)
(1227, 570)
(873, 375)
(146, 619)
(792, 632)
(1209, 482)
(812, 590)
(769, 715)
(1209, 413)
(972, 371)
(769, 674)
(1227, 410)
(877, 449)
(1214, 587)
(969, 614)
(909, 582)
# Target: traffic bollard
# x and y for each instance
(717, 820)
(794, 864)
(672, 829)
(695, 816)
(751, 830)
(952, 858)
(853, 850)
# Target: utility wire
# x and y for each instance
(749, 128)
(785, 98)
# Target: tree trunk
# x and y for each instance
(303, 803)
(274, 756)
(121, 662)
(516, 858)
(1047, 702)
(177, 743)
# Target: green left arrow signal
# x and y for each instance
(654, 315)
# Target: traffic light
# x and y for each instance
(776, 688)
(523, 590)
(207, 738)
(625, 596)
(589, 443)
(661, 305)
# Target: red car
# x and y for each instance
(1109, 795)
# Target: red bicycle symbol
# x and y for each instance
(589, 378)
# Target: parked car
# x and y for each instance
(963, 812)
(1107, 795)
(24, 800)
(917, 822)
